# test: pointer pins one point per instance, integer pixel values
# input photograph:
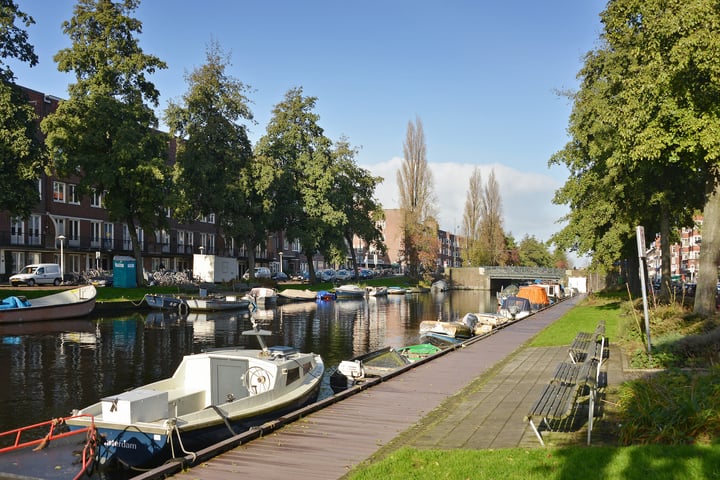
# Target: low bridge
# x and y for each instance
(495, 278)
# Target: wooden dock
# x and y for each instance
(338, 433)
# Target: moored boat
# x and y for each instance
(417, 352)
(349, 291)
(459, 329)
(217, 303)
(294, 295)
(378, 291)
(72, 303)
(210, 397)
(395, 290)
(262, 295)
(368, 365)
(515, 308)
(163, 301)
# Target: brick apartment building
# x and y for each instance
(90, 240)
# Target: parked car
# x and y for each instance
(327, 275)
(365, 273)
(343, 275)
(39, 273)
(279, 276)
(301, 276)
(260, 272)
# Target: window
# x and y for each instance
(73, 194)
(96, 200)
(73, 232)
(95, 234)
(34, 226)
(59, 192)
(108, 236)
(17, 231)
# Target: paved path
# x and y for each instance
(475, 411)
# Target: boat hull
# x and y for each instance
(211, 396)
(163, 302)
(73, 303)
(138, 448)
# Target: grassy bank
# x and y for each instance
(115, 294)
(668, 421)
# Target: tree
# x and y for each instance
(13, 39)
(22, 158)
(354, 195)
(295, 176)
(482, 222)
(491, 235)
(213, 168)
(534, 253)
(472, 215)
(636, 156)
(105, 130)
(415, 185)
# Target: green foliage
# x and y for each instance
(671, 407)
(214, 150)
(295, 176)
(13, 39)
(105, 129)
(534, 253)
(21, 154)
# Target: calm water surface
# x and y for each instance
(46, 370)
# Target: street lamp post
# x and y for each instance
(281, 264)
(62, 257)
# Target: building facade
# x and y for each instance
(63, 223)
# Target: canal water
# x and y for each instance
(48, 369)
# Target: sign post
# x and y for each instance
(640, 231)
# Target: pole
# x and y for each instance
(62, 258)
(641, 254)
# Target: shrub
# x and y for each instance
(671, 407)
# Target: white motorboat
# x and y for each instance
(210, 397)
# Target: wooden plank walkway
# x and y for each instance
(327, 443)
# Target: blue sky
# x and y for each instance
(482, 77)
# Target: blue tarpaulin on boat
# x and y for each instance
(14, 302)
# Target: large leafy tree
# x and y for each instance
(295, 176)
(635, 157)
(21, 153)
(105, 129)
(213, 167)
(354, 195)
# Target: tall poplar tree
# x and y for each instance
(105, 130)
(416, 189)
(472, 215)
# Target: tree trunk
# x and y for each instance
(706, 291)
(666, 275)
(137, 253)
(251, 260)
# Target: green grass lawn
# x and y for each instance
(656, 462)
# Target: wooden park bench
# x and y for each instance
(572, 384)
(586, 343)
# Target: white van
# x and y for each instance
(39, 273)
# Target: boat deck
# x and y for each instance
(327, 443)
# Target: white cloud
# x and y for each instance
(526, 196)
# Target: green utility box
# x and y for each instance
(124, 272)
